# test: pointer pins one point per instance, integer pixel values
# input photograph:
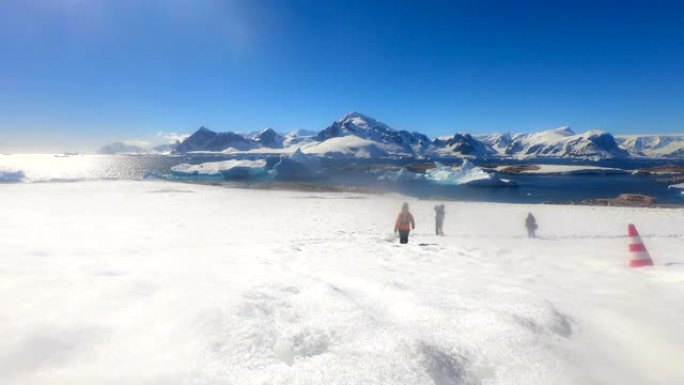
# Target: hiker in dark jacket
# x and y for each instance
(439, 219)
(404, 224)
(531, 225)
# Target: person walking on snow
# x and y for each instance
(439, 219)
(404, 224)
(531, 224)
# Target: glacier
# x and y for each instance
(229, 169)
(298, 166)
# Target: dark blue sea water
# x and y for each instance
(551, 188)
(530, 189)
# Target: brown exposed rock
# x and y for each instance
(666, 168)
(519, 169)
(420, 167)
(622, 200)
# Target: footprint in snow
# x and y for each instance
(304, 343)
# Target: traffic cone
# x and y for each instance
(638, 255)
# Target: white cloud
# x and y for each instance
(172, 137)
(138, 143)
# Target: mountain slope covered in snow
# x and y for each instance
(270, 138)
(653, 146)
(122, 148)
(360, 136)
(559, 142)
(380, 134)
(205, 139)
(463, 145)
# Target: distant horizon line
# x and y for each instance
(155, 139)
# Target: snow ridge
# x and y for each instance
(387, 138)
(358, 135)
(558, 142)
(653, 146)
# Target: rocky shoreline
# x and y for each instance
(622, 200)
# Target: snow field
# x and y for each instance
(165, 283)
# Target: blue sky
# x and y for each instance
(76, 74)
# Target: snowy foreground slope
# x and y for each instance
(161, 283)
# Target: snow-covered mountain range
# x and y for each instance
(653, 146)
(137, 148)
(375, 133)
(357, 135)
(559, 142)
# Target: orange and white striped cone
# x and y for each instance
(638, 255)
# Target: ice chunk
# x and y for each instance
(7, 175)
(401, 175)
(468, 173)
(298, 166)
(229, 169)
(679, 186)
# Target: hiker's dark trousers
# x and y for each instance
(403, 236)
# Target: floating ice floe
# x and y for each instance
(11, 175)
(468, 173)
(401, 175)
(543, 169)
(228, 169)
(679, 186)
(298, 166)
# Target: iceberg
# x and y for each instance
(228, 169)
(401, 175)
(298, 166)
(11, 175)
(468, 173)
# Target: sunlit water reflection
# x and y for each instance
(43, 168)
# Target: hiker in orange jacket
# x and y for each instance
(404, 224)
